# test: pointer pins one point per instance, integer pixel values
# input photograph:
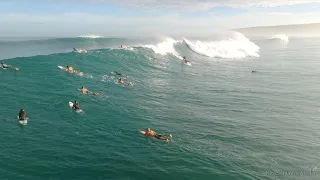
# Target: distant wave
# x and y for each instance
(237, 46)
(281, 37)
(90, 36)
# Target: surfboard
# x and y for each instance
(78, 110)
(23, 122)
(15, 69)
(188, 63)
(63, 68)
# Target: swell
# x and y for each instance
(234, 46)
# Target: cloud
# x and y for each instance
(202, 4)
(280, 13)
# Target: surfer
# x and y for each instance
(84, 90)
(69, 68)
(152, 133)
(22, 114)
(4, 66)
(119, 74)
(185, 60)
(120, 81)
(76, 105)
(253, 71)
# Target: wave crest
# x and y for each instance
(90, 36)
(165, 47)
(237, 46)
(282, 37)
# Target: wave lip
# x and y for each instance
(165, 47)
(90, 36)
(237, 46)
(282, 37)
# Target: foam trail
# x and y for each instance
(281, 37)
(165, 47)
(236, 47)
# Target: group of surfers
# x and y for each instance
(149, 133)
(76, 106)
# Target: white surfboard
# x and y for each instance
(78, 110)
(23, 122)
(61, 67)
(188, 63)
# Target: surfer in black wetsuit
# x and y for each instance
(4, 66)
(22, 114)
(119, 74)
(76, 105)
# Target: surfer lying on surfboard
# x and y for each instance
(153, 134)
(22, 114)
(5, 66)
(70, 69)
(86, 91)
(120, 81)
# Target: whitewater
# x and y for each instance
(246, 108)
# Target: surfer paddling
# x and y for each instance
(4, 66)
(153, 134)
(71, 70)
(86, 91)
(120, 81)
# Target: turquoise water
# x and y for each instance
(226, 122)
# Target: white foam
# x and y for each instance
(82, 51)
(90, 36)
(165, 47)
(237, 46)
(282, 37)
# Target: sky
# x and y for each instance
(23, 18)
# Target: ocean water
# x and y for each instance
(226, 122)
